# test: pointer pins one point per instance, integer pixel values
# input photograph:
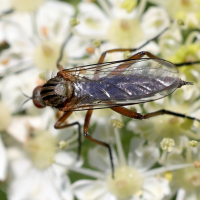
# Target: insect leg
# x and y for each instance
(59, 126)
(59, 67)
(186, 63)
(127, 112)
(86, 126)
(135, 115)
(61, 52)
(168, 112)
(103, 55)
(142, 53)
(122, 67)
(130, 49)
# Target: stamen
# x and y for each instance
(74, 22)
(126, 54)
(90, 50)
(133, 109)
(193, 143)
(197, 164)
(117, 124)
(63, 145)
(167, 144)
(44, 31)
(5, 61)
(96, 43)
(66, 144)
(180, 22)
(169, 176)
(129, 5)
(42, 76)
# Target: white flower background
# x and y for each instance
(154, 159)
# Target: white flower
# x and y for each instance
(32, 168)
(3, 161)
(39, 47)
(101, 118)
(32, 183)
(155, 19)
(42, 38)
(167, 144)
(13, 86)
(186, 181)
(115, 25)
(133, 180)
(187, 11)
(170, 41)
(168, 126)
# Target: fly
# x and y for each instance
(141, 78)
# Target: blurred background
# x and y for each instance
(32, 34)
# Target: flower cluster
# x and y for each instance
(133, 159)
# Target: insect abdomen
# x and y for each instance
(132, 87)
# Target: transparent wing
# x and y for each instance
(118, 66)
(123, 83)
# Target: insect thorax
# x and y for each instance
(56, 92)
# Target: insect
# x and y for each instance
(141, 78)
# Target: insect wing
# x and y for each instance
(124, 83)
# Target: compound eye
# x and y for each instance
(37, 99)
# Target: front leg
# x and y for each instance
(59, 125)
(86, 127)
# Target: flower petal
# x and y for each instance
(155, 188)
(98, 157)
(3, 161)
(89, 190)
(142, 157)
(35, 185)
(92, 20)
